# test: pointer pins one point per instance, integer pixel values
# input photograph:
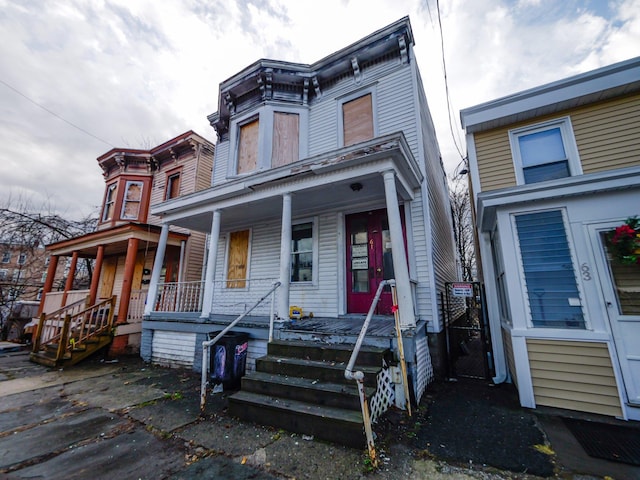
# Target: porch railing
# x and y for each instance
(137, 301)
(230, 297)
(73, 325)
(179, 297)
(380, 401)
(207, 343)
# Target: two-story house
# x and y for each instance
(554, 171)
(123, 246)
(328, 179)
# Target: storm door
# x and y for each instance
(369, 261)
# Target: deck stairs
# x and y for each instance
(300, 386)
(73, 333)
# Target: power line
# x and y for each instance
(55, 114)
(446, 83)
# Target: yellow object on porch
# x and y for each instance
(295, 312)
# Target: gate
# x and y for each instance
(468, 338)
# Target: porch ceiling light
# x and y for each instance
(356, 187)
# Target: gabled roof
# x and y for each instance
(606, 82)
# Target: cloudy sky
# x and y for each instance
(78, 77)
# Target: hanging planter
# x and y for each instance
(624, 242)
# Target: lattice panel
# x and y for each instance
(424, 374)
(384, 396)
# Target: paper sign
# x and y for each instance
(360, 263)
(462, 290)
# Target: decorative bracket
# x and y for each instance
(356, 70)
(404, 51)
(316, 86)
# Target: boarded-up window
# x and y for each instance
(285, 139)
(357, 120)
(132, 200)
(248, 147)
(238, 256)
(173, 186)
(109, 202)
(108, 277)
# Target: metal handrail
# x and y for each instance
(358, 376)
(207, 343)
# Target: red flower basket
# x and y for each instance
(624, 242)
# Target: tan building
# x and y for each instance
(124, 243)
(554, 171)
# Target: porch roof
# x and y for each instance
(115, 240)
(318, 183)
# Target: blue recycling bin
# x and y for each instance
(228, 359)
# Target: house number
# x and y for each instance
(586, 272)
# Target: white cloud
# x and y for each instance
(138, 72)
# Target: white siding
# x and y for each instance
(396, 108)
(173, 349)
(256, 349)
(423, 273)
(221, 162)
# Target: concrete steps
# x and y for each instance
(300, 387)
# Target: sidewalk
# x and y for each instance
(132, 420)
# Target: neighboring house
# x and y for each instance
(327, 178)
(123, 246)
(554, 169)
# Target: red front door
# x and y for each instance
(369, 261)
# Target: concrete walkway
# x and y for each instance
(130, 420)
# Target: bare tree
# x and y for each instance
(463, 225)
(24, 231)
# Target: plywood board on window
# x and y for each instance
(108, 277)
(357, 120)
(286, 136)
(238, 257)
(248, 147)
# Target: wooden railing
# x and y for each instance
(73, 326)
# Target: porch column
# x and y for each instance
(48, 282)
(69, 283)
(183, 245)
(400, 268)
(97, 268)
(285, 258)
(127, 281)
(212, 258)
(152, 293)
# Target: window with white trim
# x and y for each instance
(4, 273)
(547, 265)
(131, 201)
(109, 202)
(6, 257)
(302, 252)
(545, 151)
(22, 258)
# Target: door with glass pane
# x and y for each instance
(621, 287)
(369, 261)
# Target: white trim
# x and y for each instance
(523, 371)
(128, 184)
(568, 142)
(341, 257)
(234, 142)
(315, 246)
(361, 92)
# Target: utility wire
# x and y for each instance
(446, 83)
(55, 114)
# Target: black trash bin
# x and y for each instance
(228, 359)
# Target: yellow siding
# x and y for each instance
(573, 375)
(607, 135)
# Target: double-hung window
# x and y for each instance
(22, 258)
(6, 257)
(302, 252)
(544, 152)
(109, 202)
(248, 141)
(173, 186)
(550, 281)
(132, 201)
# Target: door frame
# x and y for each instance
(608, 296)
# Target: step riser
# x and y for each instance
(344, 400)
(319, 373)
(323, 353)
(322, 428)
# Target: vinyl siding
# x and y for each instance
(396, 108)
(573, 375)
(221, 162)
(607, 135)
(173, 349)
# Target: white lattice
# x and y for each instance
(424, 374)
(385, 394)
